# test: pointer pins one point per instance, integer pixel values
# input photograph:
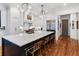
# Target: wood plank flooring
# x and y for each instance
(64, 47)
(0, 51)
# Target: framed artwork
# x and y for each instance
(72, 24)
(77, 24)
(29, 17)
(58, 24)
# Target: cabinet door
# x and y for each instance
(15, 21)
(10, 49)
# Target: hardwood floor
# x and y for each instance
(0, 51)
(64, 47)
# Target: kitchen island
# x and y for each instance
(15, 45)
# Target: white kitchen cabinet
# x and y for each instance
(15, 20)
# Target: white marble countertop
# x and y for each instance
(24, 38)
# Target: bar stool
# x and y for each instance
(35, 48)
(52, 39)
(45, 41)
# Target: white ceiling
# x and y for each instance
(49, 7)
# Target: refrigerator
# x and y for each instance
(50, 25)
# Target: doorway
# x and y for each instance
(64, 27)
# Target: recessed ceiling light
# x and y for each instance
(65, 4)
(18, 6)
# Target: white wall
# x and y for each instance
(73, 31)
(58, 28)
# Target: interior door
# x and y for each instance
(64, 27)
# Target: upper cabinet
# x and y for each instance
(2, 17)
(15, 20)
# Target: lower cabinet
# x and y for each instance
(10, 49)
